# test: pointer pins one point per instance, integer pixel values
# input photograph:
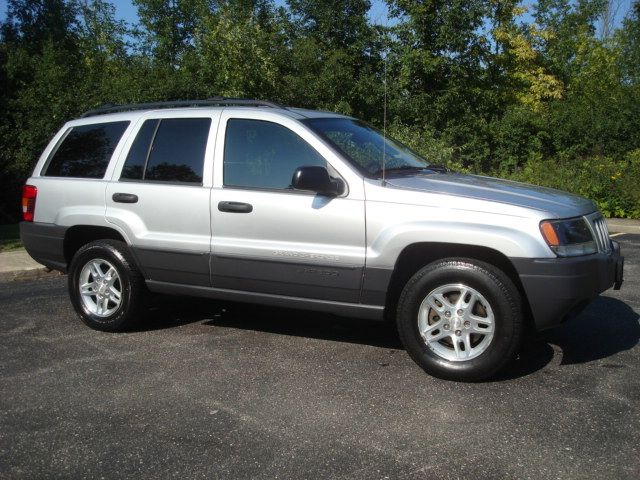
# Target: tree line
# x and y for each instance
(547, 93)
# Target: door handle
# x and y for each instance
(125, 198)
(235, 207)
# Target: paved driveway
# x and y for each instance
(213, 390)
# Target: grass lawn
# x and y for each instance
(9, 237)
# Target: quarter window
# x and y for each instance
(86, 150)
(259, 154)
(168, 150)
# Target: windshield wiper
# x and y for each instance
(410, 168)
(438, 168)
(403, 168)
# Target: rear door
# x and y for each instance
(269, 238)
(160, 195)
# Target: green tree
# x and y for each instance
(234, 50)
(529, 82)
(629, 38)
(168, 27)
(442, 79)
(565, 23)
(40, 62)
(330, 59)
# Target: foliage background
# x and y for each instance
(547, 93)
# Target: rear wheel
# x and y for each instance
(105, 287)
(460, 319)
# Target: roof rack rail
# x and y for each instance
(209, 102)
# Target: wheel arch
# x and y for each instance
(415, 256)
(79, 235)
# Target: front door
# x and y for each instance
(269, 238)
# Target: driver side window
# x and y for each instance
(261, 154)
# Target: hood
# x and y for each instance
(556, 202)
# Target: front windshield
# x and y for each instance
(365, 146)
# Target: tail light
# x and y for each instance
(29, 194)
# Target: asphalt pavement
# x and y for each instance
(217, 390)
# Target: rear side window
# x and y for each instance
(168, 150)
(136, 159)
(85, 151)
(260, 154)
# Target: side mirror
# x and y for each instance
(316, 179)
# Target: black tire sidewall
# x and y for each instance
(497, 289)
(120, 319)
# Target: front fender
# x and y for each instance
(519, 240)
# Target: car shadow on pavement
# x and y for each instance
(606, 327)
(309, 325)
(173, 311)
(534, 355)
(168, 311)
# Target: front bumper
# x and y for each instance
(558, 288)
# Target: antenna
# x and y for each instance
(384, 125)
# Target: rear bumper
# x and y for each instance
(45, 243)
(558, 288)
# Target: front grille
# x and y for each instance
(600, 232)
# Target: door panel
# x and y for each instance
(277, 240)
(162, 203)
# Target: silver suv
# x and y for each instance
(250, 201)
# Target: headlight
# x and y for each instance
(568, 238)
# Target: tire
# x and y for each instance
(470, 315)
(114, 288)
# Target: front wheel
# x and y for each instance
(105, 287)
(460, 319)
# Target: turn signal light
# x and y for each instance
(549, 233)
(29, 194)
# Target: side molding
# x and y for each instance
(371, 312)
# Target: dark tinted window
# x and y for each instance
(177, 154)
(86, 150)
(264, 155)
(134, 165)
